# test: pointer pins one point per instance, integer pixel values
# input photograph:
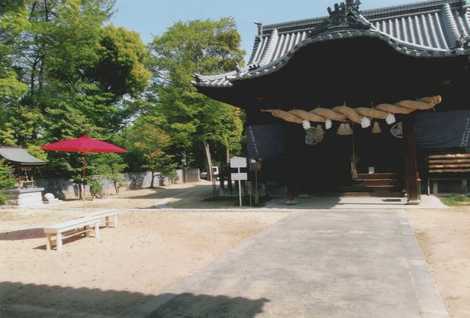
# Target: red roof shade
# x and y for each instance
(83, 144)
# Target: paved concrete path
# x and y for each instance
(325, 264)
(358, 203)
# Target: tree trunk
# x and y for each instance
(32, 80)
(209, 160)
(152, 183)
(209, 167)
(43, 49)
(229, 171)
(116, 186)
(80, 190)
(46, 10)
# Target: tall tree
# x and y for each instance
(193, 120)
(13, 21)
(64, 71)
(146, 140)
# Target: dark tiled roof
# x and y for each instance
(19, 156)
(431, 28)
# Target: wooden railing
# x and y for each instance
(448, 167)
(449, 163)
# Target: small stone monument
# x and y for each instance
(50, 198)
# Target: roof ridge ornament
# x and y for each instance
(344, 15)
(343, 9)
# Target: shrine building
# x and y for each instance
(373, 101)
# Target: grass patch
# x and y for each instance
(456, 200)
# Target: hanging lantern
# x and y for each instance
(376, 128)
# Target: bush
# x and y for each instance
(3, 198)
(109, 166)
(96, 188)
(171, 175)
(7, 181)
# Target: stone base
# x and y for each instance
(25, 198)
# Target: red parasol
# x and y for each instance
(83, 145)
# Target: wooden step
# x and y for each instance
(390, 194)
(377, 182)
(379, 175)
(363, 188)
(380, 183)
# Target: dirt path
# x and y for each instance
(444, 236)
(181, 196)
(131, 264)
(147, 198)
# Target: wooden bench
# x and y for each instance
(448, 167)
(83, 225)
(110, 217)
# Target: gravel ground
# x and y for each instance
(154, 248)
(444, 236)
(148, 251)
(178, 196)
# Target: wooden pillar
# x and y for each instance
(411, 164)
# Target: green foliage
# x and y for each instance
(109, 166)
(3, 198)
(11, 89)
(20, 125)
(456, 200)
(36, 151)
(190, 118)
(7, 181)
(198, 47)
(13, 20)
(96, 187)
(149, 143)
(121, 67)
(69, 41)
(65, 72)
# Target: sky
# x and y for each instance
(153, 17)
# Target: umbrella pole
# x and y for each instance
(84, 173)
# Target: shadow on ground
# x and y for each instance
(25, 234)
(189, 305)
(161, 193)
(40, 301)
(195, 197)
(338, 201)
